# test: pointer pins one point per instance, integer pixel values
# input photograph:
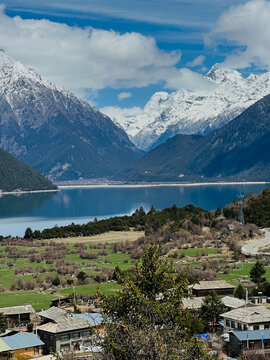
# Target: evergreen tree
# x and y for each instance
(3, 323)
(146, 319)
(240, 292)
(212, 308)
(257, 272)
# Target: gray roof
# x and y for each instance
(213, 285)
(66, 323)
(196, 302)
(52, 313)
(249, 315)
(232, 302)
(16, 310)
(22, 340)
(252, 335)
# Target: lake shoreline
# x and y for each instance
(27, 192)
(138, 185)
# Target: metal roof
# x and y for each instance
(213, 285)
(252, 335)
(249, 315)
(228, 301)
(22, 340)
(4, 346)
(52, 313)
(66, 323)
(16, 310)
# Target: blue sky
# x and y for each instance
(118, 53)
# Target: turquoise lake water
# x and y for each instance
(80, 205)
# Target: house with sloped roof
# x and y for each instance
(18, 316)
(204, 288)
(21, 346)
(247, 318)
(66, 333)
(254, 342)
(51, 314)
(195, 303)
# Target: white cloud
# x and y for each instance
(124, 95)
(88, 58)
(247, 27)
(199, 60)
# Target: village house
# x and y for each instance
(195, 303)
(18, 316)
(260, 299)
(20, 346)
(250, 317)
(204, 288)
(51, 314)
(66, 334)
(254, 342)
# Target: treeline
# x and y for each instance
(140, 220)
(256, 209)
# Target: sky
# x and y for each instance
(117, 54)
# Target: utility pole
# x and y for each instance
(241, 220)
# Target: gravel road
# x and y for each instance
(252, 249)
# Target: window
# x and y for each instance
(26, 349)
(239, 326)
(266, 326)
(64, 348)
(228, 323)
(233, 324)
(256, 327)
(64, 337)
(51, 337)
(86, 333)
(245, 327)
(76, 335)
(36, 350)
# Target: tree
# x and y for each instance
(81, 276)
(56, 281)
(257, 272)
(240, 292)
(146, 319)
(211, 309)
(28, 233)
(3, 323)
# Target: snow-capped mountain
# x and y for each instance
(195, 112)
(54, 131)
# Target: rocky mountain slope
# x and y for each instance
(237, 151)
(54, 131)
(195, 112)
(15, 175)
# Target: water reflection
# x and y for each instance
(80, 205)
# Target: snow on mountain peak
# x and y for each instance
(194, 112)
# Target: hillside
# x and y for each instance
(15, 175)
(225, 96)
(237, 151)
(54, 131)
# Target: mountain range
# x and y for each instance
(227, 95)
(237, 151)
(55, 132)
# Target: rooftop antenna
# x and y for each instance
(241, 219)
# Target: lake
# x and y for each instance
(80, 205)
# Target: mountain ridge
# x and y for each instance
(56, 132)
(195, 112)
(237, 151)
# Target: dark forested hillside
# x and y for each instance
(15, 175)
(237, 151)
